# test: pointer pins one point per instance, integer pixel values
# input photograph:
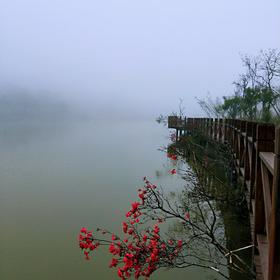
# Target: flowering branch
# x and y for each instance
(195, 236)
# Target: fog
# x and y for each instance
(130, 58)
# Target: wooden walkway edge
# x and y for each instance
(256, 150)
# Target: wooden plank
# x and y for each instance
(274, 242)
(258, 267)
(248, 185)
(265, 132)
(250, 139)
(266, 196)
(263, 250)
(252, 226)
(250, 154)
(268, 159)
(259, 202)
(264, 143)
(253, 203)
(247, 195)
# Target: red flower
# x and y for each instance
(174, 157)
(187, 216)
(114, 262)
(156, 229)
(173, 171)
(125, 227)
(134, 206)
(86, 255)
(113, 250)
(130, 231)
(120, 273)
(83, 230)
(179, 243)
(128, 214)
(142, 195)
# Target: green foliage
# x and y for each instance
(257, 91)
(232, 106)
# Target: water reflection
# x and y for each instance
(56, 178)
(211, 170)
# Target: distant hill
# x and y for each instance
(19, 105)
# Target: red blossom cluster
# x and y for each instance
(140, 253)
(173, 171)
(86, 242)
(143, 253)
(172, 156)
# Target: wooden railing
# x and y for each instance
(256, 150)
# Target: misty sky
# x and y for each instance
(130, 55)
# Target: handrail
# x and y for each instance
(256, 150)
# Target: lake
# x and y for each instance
(58, 177)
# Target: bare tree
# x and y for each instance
(251, 65)
(210, 107)
(263, 73)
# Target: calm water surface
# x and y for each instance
(56, 178)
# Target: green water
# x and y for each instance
(56, 178)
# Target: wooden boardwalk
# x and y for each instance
(256, 150)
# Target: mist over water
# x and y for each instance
(63, 167)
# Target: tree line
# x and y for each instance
(256, 91)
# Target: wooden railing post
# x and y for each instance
(274, 238)
(225, 140)
(185, 126)
(211, 129)
(229, 132)
(241, 144)
(215, 129)
(199, 124)
(208, 127)
(264, 143)
(253, 157)
(190, 125)
(204, 126)
(221, 130)
(195, 124)
(247, 153)
(234, 138)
